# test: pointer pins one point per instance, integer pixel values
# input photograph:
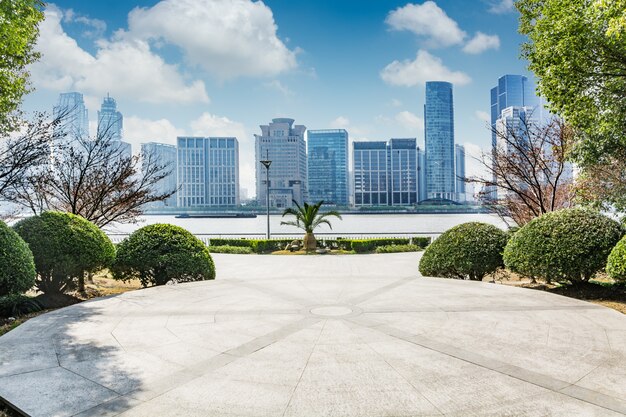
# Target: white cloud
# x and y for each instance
(395, 103)
(340, 123)
(228, 38)
(473, 165)
(410, 121)
(502, 6)
(427, 20)
(483, 115)
(425, 67)
(125, 68)
(138, 130)
(280, 87)
(95, 28)
(212, 125)
(481, 42)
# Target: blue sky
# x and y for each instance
(222, 67)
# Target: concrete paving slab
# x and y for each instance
(361, 335)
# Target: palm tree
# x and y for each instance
(308, 218)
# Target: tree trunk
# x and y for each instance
(309, 242)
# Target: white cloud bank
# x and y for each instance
(480, 43)
(502, 6)
(425, 67)
(410, 121)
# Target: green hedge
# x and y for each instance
(15, 305)
(238, 250)
(467, 251)
(370, 245)
(565, 245)
(398, 248)
(257, 245)
(159, 253)
(616, 264)
(17, 265)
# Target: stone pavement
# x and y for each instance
(360, 335)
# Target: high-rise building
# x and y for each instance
(439, 140)
(164, 155)
(282, 143)
(421, 175)
(459, 161)
(370, 174)
(74, 119)
(208, 172)
(327, 155)
(110, 121)
(403, 182)
(512, 91)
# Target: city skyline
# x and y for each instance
(368, 80)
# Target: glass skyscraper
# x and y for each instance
(511, 91)
(71, 110)
(208, 172)
(110, 121)
(459, 160)
(370, 173)
(164, 155)
(283, 144)
(327, 155)
(439, 140)
(403, 184)
(421, 174)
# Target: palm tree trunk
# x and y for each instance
(309, 242)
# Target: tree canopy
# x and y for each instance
(19, 20)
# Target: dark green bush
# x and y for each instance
(398, 248)
(17, 266)
(238, 250)
(571, 244)
(65, 247)
(230, 242)
(467, 251)
(257, 245)
(15, 305)
(159, 253)
(616, 263)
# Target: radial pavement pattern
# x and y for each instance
(360, 335)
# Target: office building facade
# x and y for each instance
(459, 163)
(283, 143)
(327, 165)
(421, 174)
(72, 113)
(439, 140)
(371, 183)
(208, 172)
(512, 91)
(403, 180)
(110, 121)
(166, 156)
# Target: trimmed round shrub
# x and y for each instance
(565, 245)
(65, 248)
(159, 253)
(616, 264)
(17, 267)
(467, 251)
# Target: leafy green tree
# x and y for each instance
(19, 21)
(577, 50)
(308, 217)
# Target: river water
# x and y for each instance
(350, 226)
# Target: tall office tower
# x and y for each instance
(439, 138)
(421, 174)
(208, 172)
(282, 143)
(74, 120)
(512, 91)
(110, 121)
(403, 183)
(164, 155)
(370, 173)
(327, 155)
(459, 162)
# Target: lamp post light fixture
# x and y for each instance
(266, 163)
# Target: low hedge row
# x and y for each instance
(257, 245)
(398, 248)
(370, 245)
(356, 245)
(237, 250)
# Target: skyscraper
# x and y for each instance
(164, 155)
(403, 184)
(74, 120)
(512, 91)
(439, 138)
(208, 172)
(283, 144)
(110, 121)
(459, 161)
(421, 175)
(370, 173)
(327, 154)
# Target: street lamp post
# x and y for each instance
(266, 163)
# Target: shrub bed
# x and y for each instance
(15, 305)
(616, 263)
(65, 247)
(398, 248)
(467, 251)
(565, 245)
(239, 250)
(17, 265)
(159, 253)
(256, 245)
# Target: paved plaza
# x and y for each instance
(312, 336)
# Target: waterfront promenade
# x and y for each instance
(358, 335)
